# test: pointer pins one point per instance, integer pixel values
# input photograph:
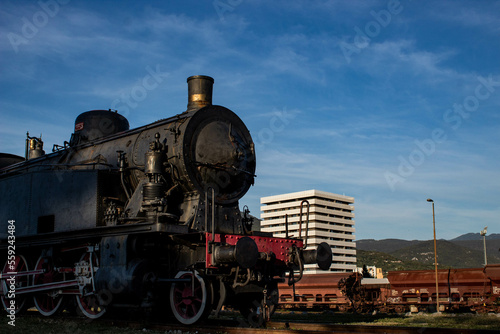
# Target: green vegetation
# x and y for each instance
(388, 262)
(450, 255)
(396, 254)
(462, 321)
(70, 325)
(42, 325)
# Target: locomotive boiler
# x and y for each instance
(145, 218)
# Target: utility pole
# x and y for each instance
(435, 254)
(483, 234)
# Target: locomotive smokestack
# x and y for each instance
(199, 91)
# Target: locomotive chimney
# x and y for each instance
(199, 91)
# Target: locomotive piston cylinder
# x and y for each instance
(152, 191)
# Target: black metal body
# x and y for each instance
(116, 214)
(85, 179)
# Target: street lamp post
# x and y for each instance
(483, 234)
(435, 254)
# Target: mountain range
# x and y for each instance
(465, 251)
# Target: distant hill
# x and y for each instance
(449, 254)
(476, 236)
(385, 245)
(387, 262)
(465, 251)
(492, 246)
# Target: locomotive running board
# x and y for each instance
(97, 232)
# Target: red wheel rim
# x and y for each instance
(46, 304)
(89, 305)
(187, 304)
(20, 265)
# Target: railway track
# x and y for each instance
(228, 324)
(233, 327)
(336, 328)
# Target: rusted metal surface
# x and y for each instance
(458, 289)
(315, 290)
(474, 289)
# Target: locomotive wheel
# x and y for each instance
(20, 264)
(190, 305)
(90, 305)
(273, 300)
(399, 309)
(251, 307)
(45, 302)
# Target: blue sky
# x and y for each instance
(391, 102)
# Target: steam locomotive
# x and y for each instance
(146, 218)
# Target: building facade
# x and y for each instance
(331, 220)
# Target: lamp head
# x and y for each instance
(429, 200)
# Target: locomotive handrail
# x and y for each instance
(219, 166)
(29, 163)
(121, 164)
(247, 221)
(291, 279)
(307, 221)
(213, 210)
(236, 283)
(286, 225)
(206, 211)
(60, 165)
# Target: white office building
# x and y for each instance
(331, 220)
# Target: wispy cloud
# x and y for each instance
(481, 15)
